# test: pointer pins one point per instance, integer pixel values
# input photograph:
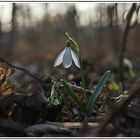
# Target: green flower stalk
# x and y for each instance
(66, 57)
(80, 61)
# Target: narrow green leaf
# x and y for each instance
(73, 42)
(74, 97)
(54, 95)
(97, 90)
(52, 91)
(71, 92)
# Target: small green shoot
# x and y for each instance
(54, 99)
(97, 91)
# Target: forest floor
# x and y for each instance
(24, 111)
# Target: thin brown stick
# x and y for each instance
(124, 41)
(22, 69)
(80, 89)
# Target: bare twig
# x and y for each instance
(123, 45)
(80, 89)
(74, 87)
(22, 69)
(118, 110)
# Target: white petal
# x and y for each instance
(59, 59)
(75, 58)
(67, 59)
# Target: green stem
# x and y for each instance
(82, 75)
(83, 79)
(81, 66)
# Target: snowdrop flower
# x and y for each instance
(66, 56)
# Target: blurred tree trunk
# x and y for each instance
(13, 31)
(71, 20)
(1, 12)
(113, 21)
(13, 26)
(0, 36)
(0, 29)
(124, 43)
(100, 36)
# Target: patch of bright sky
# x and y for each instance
(5, 14)
(86, 11)
(54, 8)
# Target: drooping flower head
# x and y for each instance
(66, 57)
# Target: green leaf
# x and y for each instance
(52, 91)
(97, 91)
(74, 97)
(73, 42)
(54, 99)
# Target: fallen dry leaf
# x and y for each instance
(5, 73)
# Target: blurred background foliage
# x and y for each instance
(33, 34)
